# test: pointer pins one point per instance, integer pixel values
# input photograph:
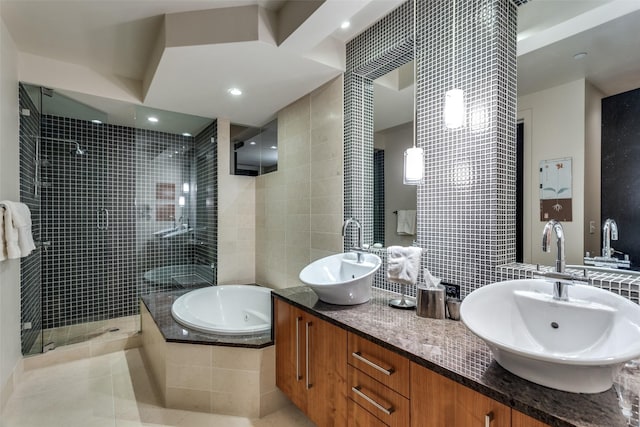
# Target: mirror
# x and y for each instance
(255, 149)
(560, 93)
(394, 203)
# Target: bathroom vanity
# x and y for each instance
(371, 365)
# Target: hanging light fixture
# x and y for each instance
(454, 108)
(414, 156)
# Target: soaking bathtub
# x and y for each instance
(227, 309)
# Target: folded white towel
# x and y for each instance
(3, 245)
(403, 264)
(17, 229)
(406, 223)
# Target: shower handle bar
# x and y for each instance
(106, 214)
(100, 224)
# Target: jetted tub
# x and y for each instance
(227, 309)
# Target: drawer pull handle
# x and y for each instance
(487, 419)
(357, 391)
(359, 356)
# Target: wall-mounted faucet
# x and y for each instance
(358, 249)
(609, 233)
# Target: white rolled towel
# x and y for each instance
(3, 244)
(17, 229)
(403, 264)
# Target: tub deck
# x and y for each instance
(159, 306)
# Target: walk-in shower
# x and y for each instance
(102, 186)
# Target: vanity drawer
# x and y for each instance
(388, 367)
(385, 404)
(357, 416)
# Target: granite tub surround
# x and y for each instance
(213, 377)
(159, 307)
(448, 348)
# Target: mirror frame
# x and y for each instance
(392, 47)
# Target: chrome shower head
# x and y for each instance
(78, 151)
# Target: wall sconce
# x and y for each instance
(181, 201)
(185, 187)
(413, 166)
(454, 111)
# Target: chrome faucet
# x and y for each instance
(358, 249)
(609, 233)
(559, 287)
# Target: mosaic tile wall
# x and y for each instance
(100, 211)
(378, 196)
(465, 221)
(206, 175)
(30, 306)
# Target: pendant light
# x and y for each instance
(454, 109)
(414, 156)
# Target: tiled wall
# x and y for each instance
(236, 216)
(625, 285)
(378, 197)
(30, 267)
(466, 206)
(299, 207)
(92, 273)
(206, 173)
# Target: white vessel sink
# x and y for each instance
(576, 345)
(340, 279)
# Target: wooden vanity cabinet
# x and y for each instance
(311, 365)
(437, 401)
(318, 365)
(518, 419)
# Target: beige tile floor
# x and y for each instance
(113, 390)
(82, 332)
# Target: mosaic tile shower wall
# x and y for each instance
(101, 209)
(465, 221)
(206, 177)
(30, 267)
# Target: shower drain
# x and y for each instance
(114, 329)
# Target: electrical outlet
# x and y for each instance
(453, 291)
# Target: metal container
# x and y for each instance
(453, 308)
(430, 302)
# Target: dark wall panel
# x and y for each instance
(621, 171)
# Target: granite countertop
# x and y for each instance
(450, 349)
(159, 306)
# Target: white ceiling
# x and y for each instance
(550, 32)
(117, 38)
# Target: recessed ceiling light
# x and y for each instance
(152, 119)
(579, 55)
(273, 147)
(186, 134)
(252, 143)
(96, 121)
(345, 25)
(235, 91)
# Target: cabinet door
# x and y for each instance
(325, 372)
(518, 419)
(437, 401)
(311, 364)
(289, 348)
